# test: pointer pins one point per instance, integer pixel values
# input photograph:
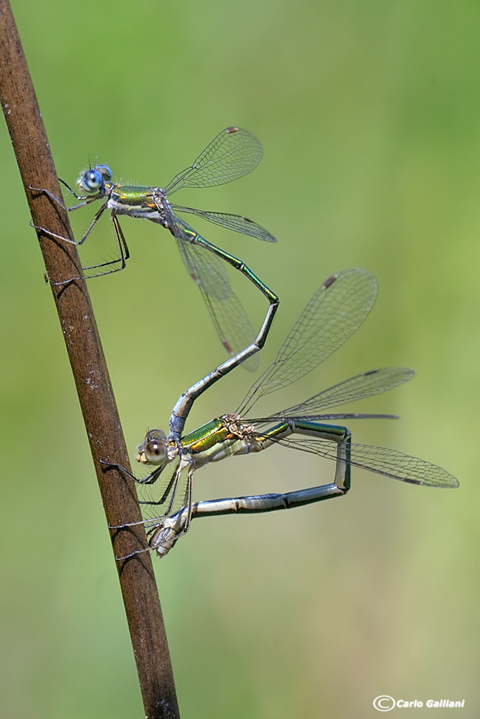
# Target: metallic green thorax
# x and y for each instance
(204, 438)
(131, 196)
(222, 437)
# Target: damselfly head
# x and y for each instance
(92, 180)
(153, 450)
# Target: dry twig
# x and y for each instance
(90, 372)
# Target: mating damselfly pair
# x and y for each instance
(333, 314)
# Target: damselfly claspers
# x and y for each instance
(232, 154)
(333, 314)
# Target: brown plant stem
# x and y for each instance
(90, 372)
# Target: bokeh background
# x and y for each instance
(369, 113)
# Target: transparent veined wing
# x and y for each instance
(380, 460)
(205, 268)
(237, 223)
(234, 152)
(335, 312)
(350, 390)
(226, 311)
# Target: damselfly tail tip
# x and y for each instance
(166, 535)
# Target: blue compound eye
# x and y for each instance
(91, 181)
(105, 171)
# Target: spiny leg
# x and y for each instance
(70, 209)
(132, 554)
(122, 244)
(164, 534)
(176, 526)
(149, 479)
(164, 496)
(124, 254)
(84, 199)
(174, 481)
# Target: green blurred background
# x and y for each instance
(369, 113)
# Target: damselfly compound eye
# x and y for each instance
(91, 181)
(155, 446)
(105, 171)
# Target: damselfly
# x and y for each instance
(232, 154)
(333, 314)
